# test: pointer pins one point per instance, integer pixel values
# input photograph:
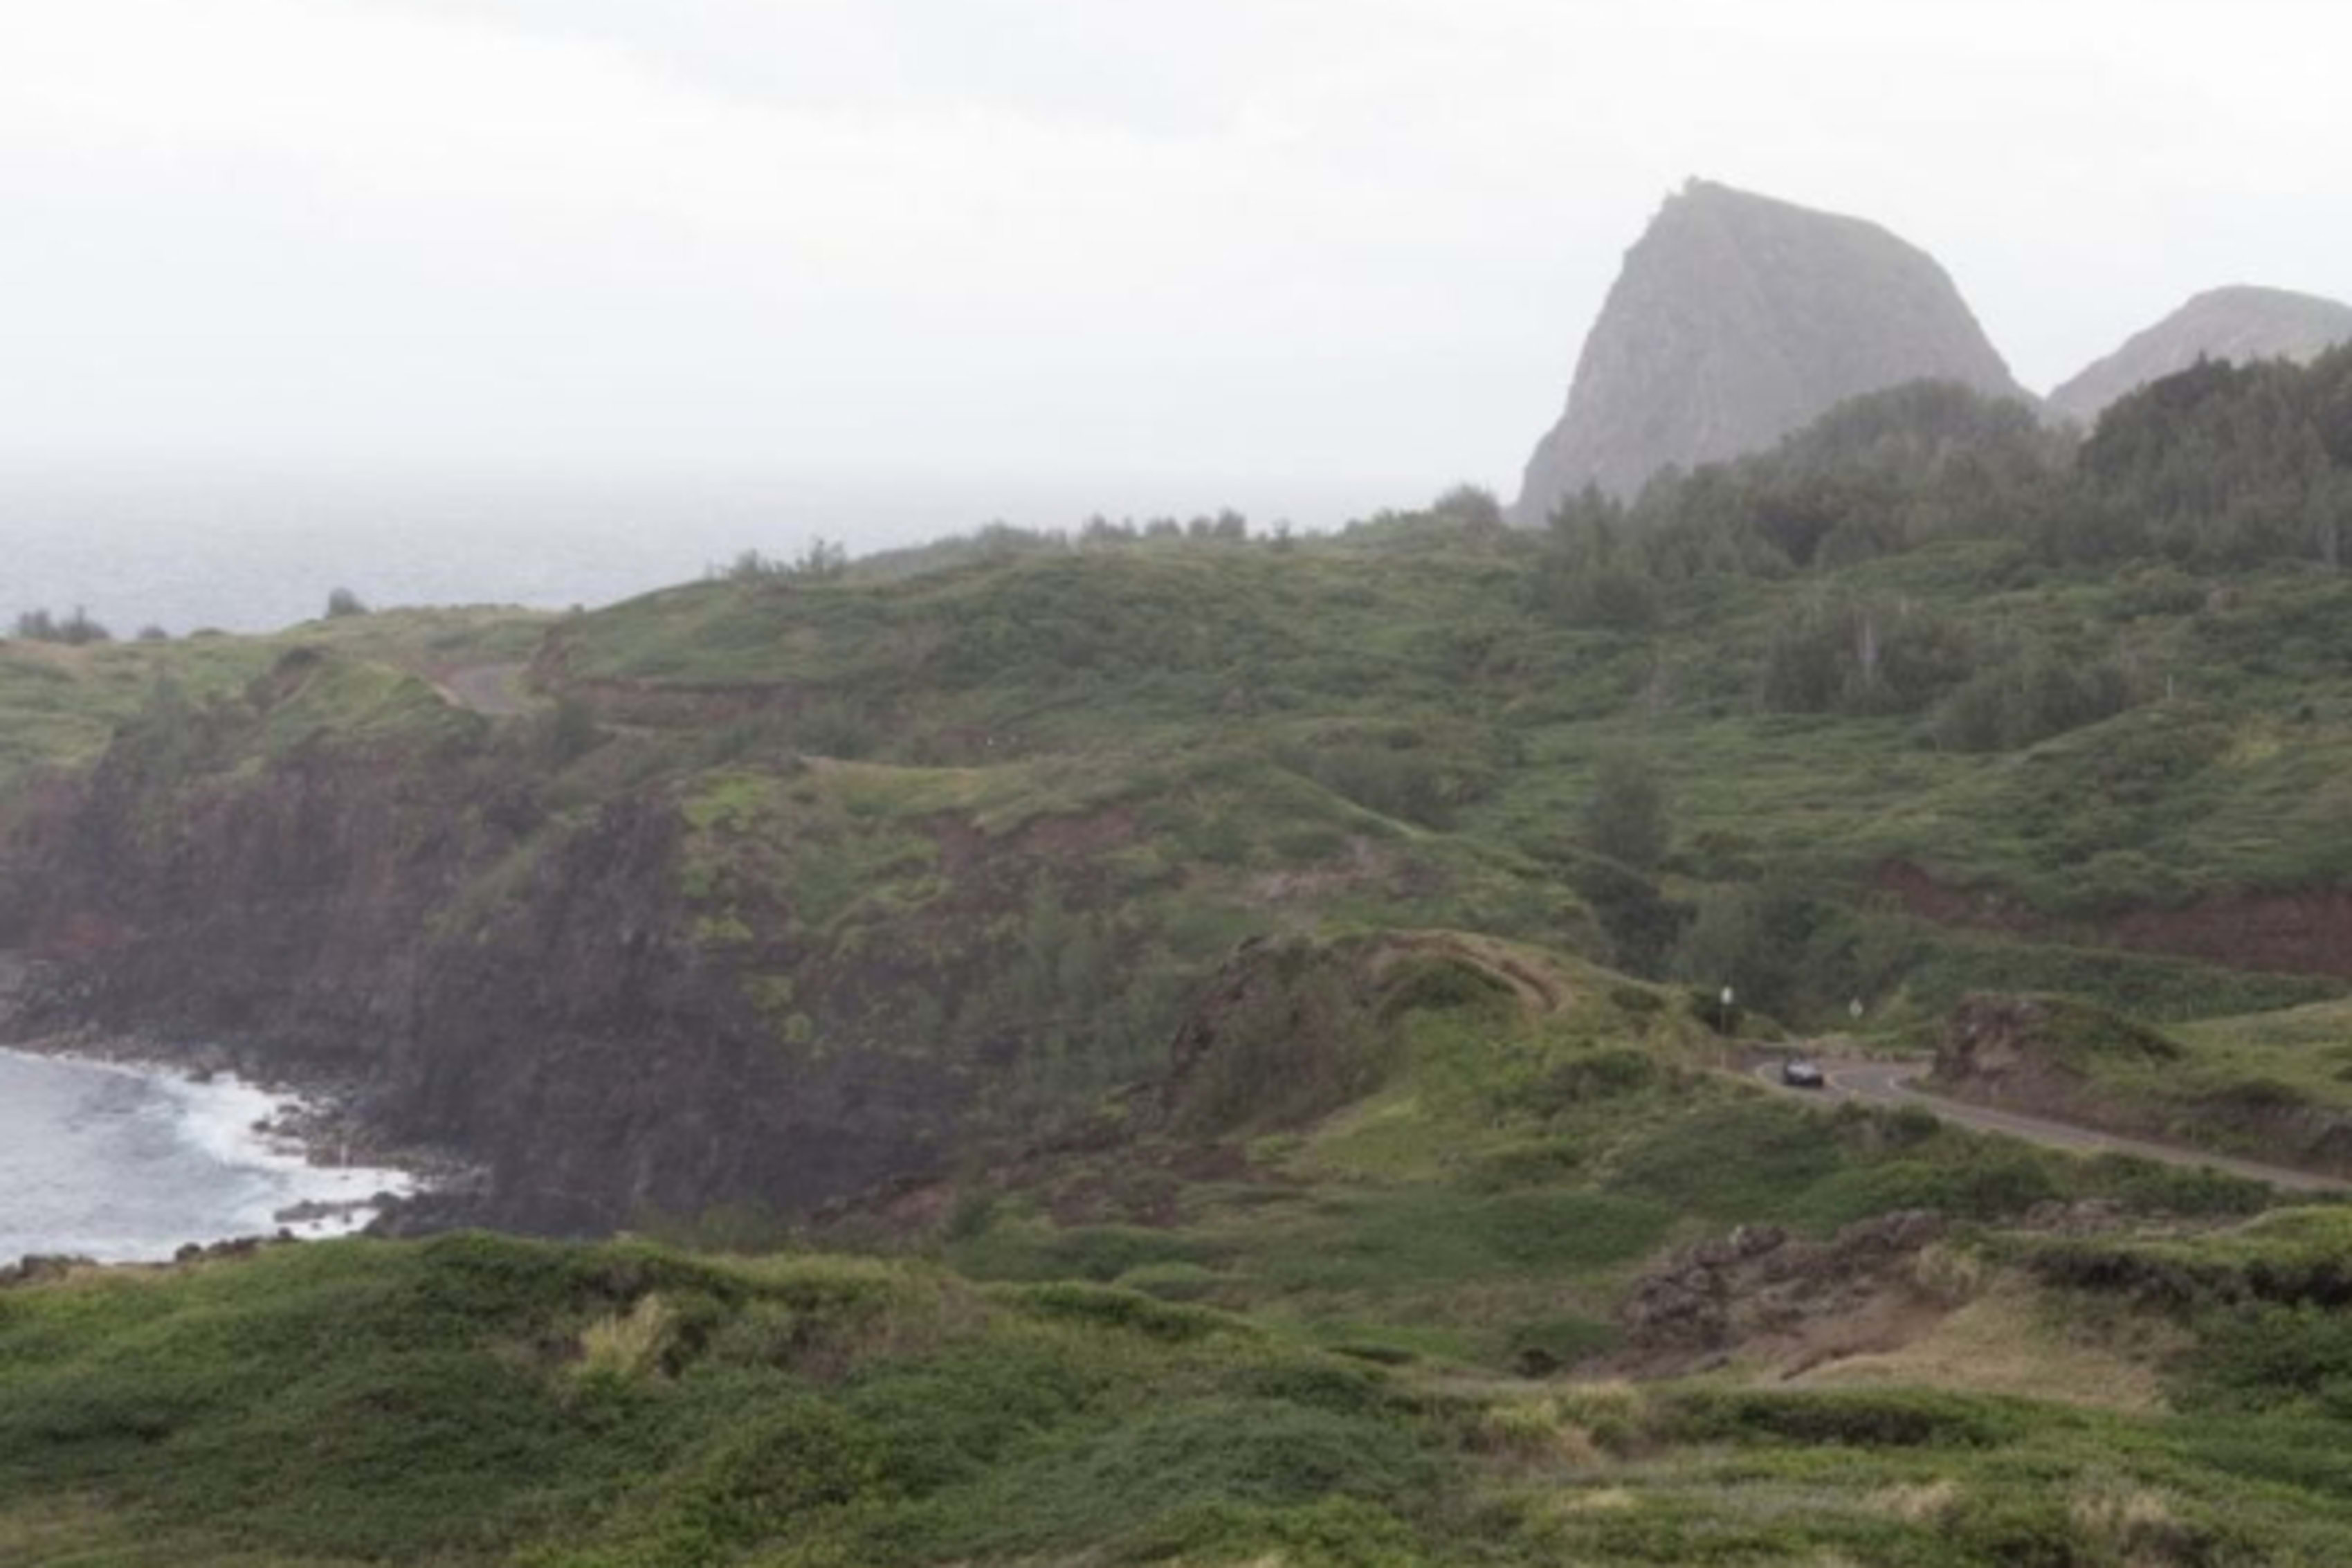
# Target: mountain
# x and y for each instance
(2236, 323)
(1738, 319)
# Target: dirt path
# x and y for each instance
(1895, 1083)
(495, 689)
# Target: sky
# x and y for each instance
(1241, 249)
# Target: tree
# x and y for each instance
(343, 602)
(1754, 938)
(1475, 510)
(823, 561)
(572, 731)
(1625, 815)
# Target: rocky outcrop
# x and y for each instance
(1759, 1284)
(2038, 1052)
(1737, 320)
(2068, 1061)
(2238, 323)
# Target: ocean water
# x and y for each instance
(245, 554)
(125, 1165)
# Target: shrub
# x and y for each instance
(572, 731)
(623, 1347)
(343, 602)
(2272, 1356)
(1127, 1310)
(75, 630)
(1625, 815)
(1859, 1418)
(1548, 1345)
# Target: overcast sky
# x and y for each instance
(1344, 241)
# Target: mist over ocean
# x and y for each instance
(247, 555)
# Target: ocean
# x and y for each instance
(126, 1166)
(245, 555)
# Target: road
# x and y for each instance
(1893, 1083)
(495, 689)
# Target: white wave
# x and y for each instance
(225, 1117)
(132, 1176)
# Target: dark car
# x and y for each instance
(1798, 1073)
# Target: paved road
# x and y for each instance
(492, 688)
(1893, 1083)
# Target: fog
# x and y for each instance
(963, 259)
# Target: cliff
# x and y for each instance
(1738, 319)
(604, 987)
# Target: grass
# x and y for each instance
(1429, 704)
(2273, 1086)
(986, 840)
(463, 1399)
(458, 1401)
(2013, 1342)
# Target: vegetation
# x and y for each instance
(1273, 980)
(74, 630)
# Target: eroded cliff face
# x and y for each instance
(544, 984)
(2306, 931)
(1738, 319)
(2238, 323)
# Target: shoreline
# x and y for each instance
(254, 1114)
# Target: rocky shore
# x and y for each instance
(318, 1117)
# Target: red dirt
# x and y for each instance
(2292, 933)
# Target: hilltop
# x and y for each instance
(2239, 324)
(1736, 320)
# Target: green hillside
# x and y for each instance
(1156, 1046)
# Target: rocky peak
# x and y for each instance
(1738, 319)
(2237, 323)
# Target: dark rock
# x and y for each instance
(1760, 1280)
(1738, 319)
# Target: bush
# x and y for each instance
(1550, 1345)
(2032, 698)
(343, 602)
(1101, 1253)
(1870, 1419)
(1625, 815)
(572, 731)
(75, 630)
(2271, 1356)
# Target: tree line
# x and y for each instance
(2221, 466)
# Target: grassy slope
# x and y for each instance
(60, 705)
(1492, 1196)
(1329, 734)
(2234, 782)
(1138, 1354)
(472, 1400)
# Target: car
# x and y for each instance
(1798, 1073)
